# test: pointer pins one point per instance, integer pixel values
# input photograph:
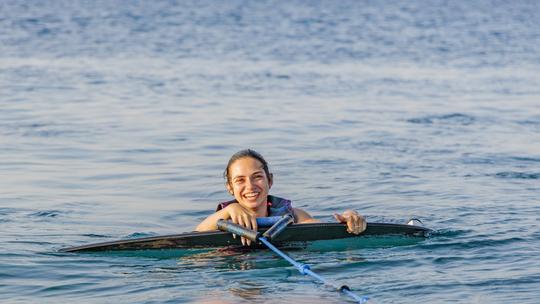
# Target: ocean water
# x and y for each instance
(118, 117)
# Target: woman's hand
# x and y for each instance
(355, 222)
(243, 217)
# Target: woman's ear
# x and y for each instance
(229, 188)
(270, 180)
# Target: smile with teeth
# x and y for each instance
(251, 195)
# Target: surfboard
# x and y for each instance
(293, 236)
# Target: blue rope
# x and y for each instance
(306, 270)
(302, 268)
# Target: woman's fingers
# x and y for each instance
(254, 223)
(242, 223)
(247, 224)
(355, 222)
(347, 219)
(359, 223)
(235, 221)
(350, 224)
(245, 220)
(340, 218)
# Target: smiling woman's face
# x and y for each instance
(249, 184)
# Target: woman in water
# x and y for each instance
(249, 181)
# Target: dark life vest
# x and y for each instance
(276, 206)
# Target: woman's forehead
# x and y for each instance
(245, 165)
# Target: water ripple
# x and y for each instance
(450, 119)
(518, 175)
(47, 213)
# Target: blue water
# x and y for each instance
(118, 117)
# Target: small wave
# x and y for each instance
(187, 214)
(276, 76)
(47, 213)
(497, 159)
(447, 259)
(46, 130)
(471, 244)
(449, 233)
(142, 151)
(529, 122)
(526, 159)
(93, 235)
(517, 175)
(454, 119)
(8, 211)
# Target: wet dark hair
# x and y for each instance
(246, 153)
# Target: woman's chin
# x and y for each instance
(253, 205)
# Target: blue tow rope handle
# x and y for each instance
(278, 227)
(231, 227)
(275, 230)
(267, 221)
(278, 223)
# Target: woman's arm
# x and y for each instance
(303, 217)
(236, 213)
(210, 223)
(355, 222)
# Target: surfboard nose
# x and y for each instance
(415, 222)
